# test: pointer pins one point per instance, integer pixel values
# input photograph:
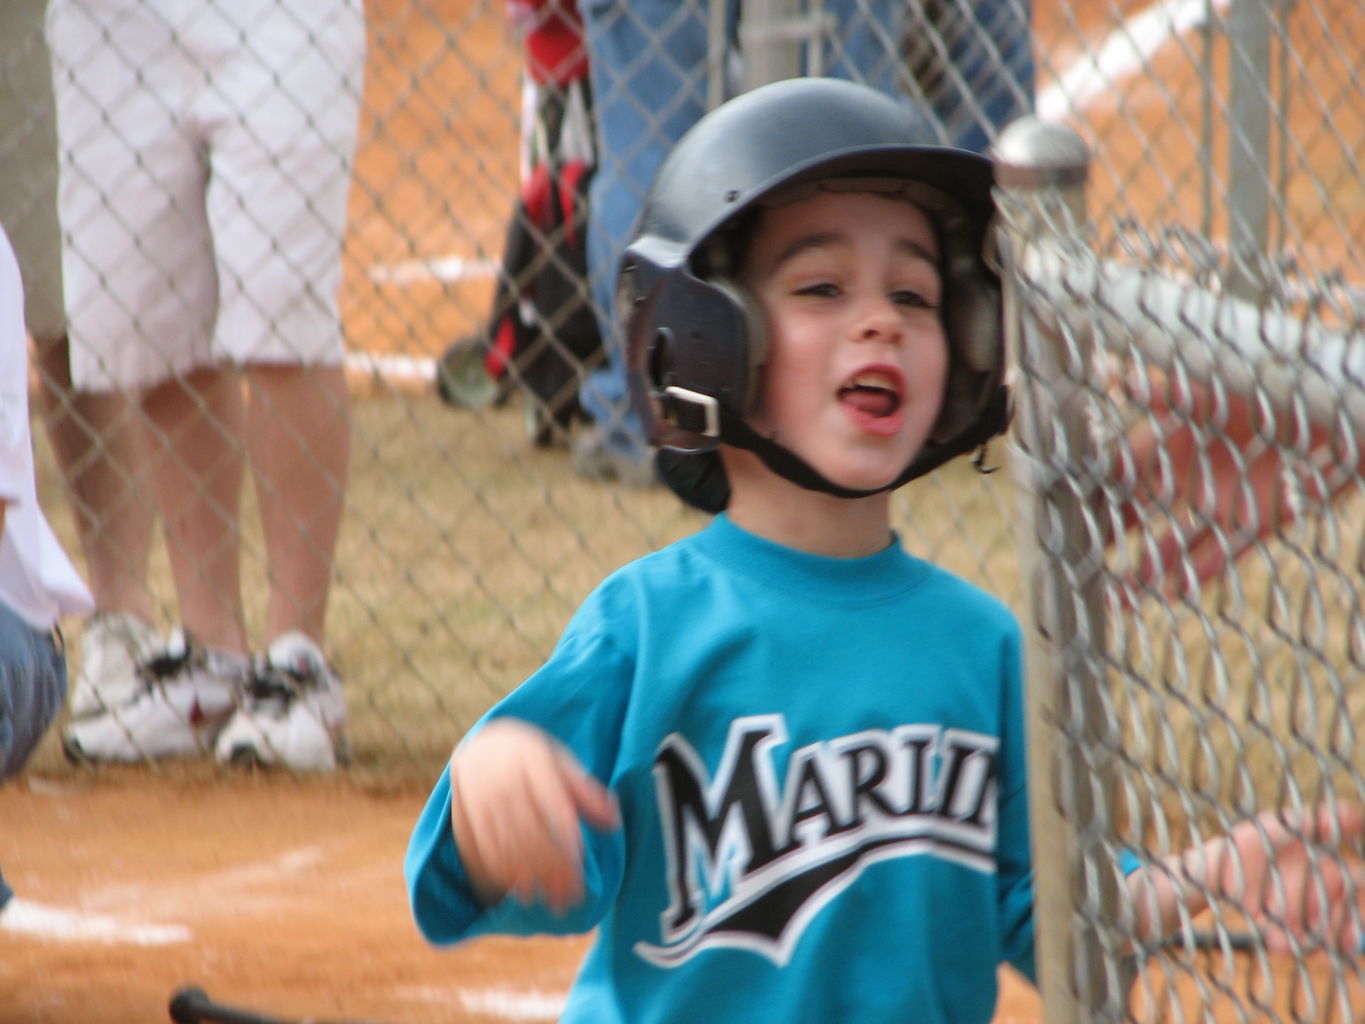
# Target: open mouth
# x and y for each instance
(872, 393)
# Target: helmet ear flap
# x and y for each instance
(694, 351)
(973, 321)
(755, 343)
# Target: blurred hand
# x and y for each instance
(517, 797)
(1300, 877)
(1297, 877)
(1219, 467)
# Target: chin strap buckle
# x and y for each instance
(691, 411)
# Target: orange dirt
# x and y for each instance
(287, 896)
(281, 895)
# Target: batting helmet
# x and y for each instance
(695, 342)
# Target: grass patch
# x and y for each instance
(465, 550)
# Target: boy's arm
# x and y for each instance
(537, 761)
(457, 886)
(517, 799)
(1296, 875)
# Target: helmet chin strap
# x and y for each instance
(790, 466)
(698, 477)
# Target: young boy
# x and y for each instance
(779, 765)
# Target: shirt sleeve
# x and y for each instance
(443, 904)
(16, 458)
(13, 454)
(578, 697)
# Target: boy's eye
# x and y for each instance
(821, 289)
(912, 299)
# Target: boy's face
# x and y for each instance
(849, 286)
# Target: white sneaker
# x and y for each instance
(293, 714)
(112, 647)
(185, 693)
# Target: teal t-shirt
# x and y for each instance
(820, 767)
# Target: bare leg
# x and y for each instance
(198, 463)
(300, 443)
(98, 442)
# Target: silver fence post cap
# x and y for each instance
(1032, 153)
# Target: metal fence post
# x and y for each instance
(717, 51)
(783, 39)
(1249, 178)
(770, 55)
(1041, 169)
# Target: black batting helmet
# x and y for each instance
(695, 344)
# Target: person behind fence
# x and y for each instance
(206, 155)
(779, 765)
(1221, 474)
(38, 584)
(650, 65)
(541, 331)
(94, 437)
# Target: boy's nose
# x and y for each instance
(878, 320)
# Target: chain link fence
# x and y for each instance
(1189, 378)
(1191, 437)
(467, 535)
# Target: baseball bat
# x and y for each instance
(192, 1005)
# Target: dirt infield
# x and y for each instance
(276, 894)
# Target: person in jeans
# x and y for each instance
(38, 584)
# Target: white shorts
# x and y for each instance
(206, 153)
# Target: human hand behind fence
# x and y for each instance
(1223, 468)
(517, 797)
(1298, 877)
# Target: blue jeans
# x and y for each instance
(32, 689)
(648, 64)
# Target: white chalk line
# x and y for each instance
(99, 919)
(404, 369)
(1125, 51)
(392, 368)
(60, 924)
(449, 269)
(513, 1004)
(257, 887)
